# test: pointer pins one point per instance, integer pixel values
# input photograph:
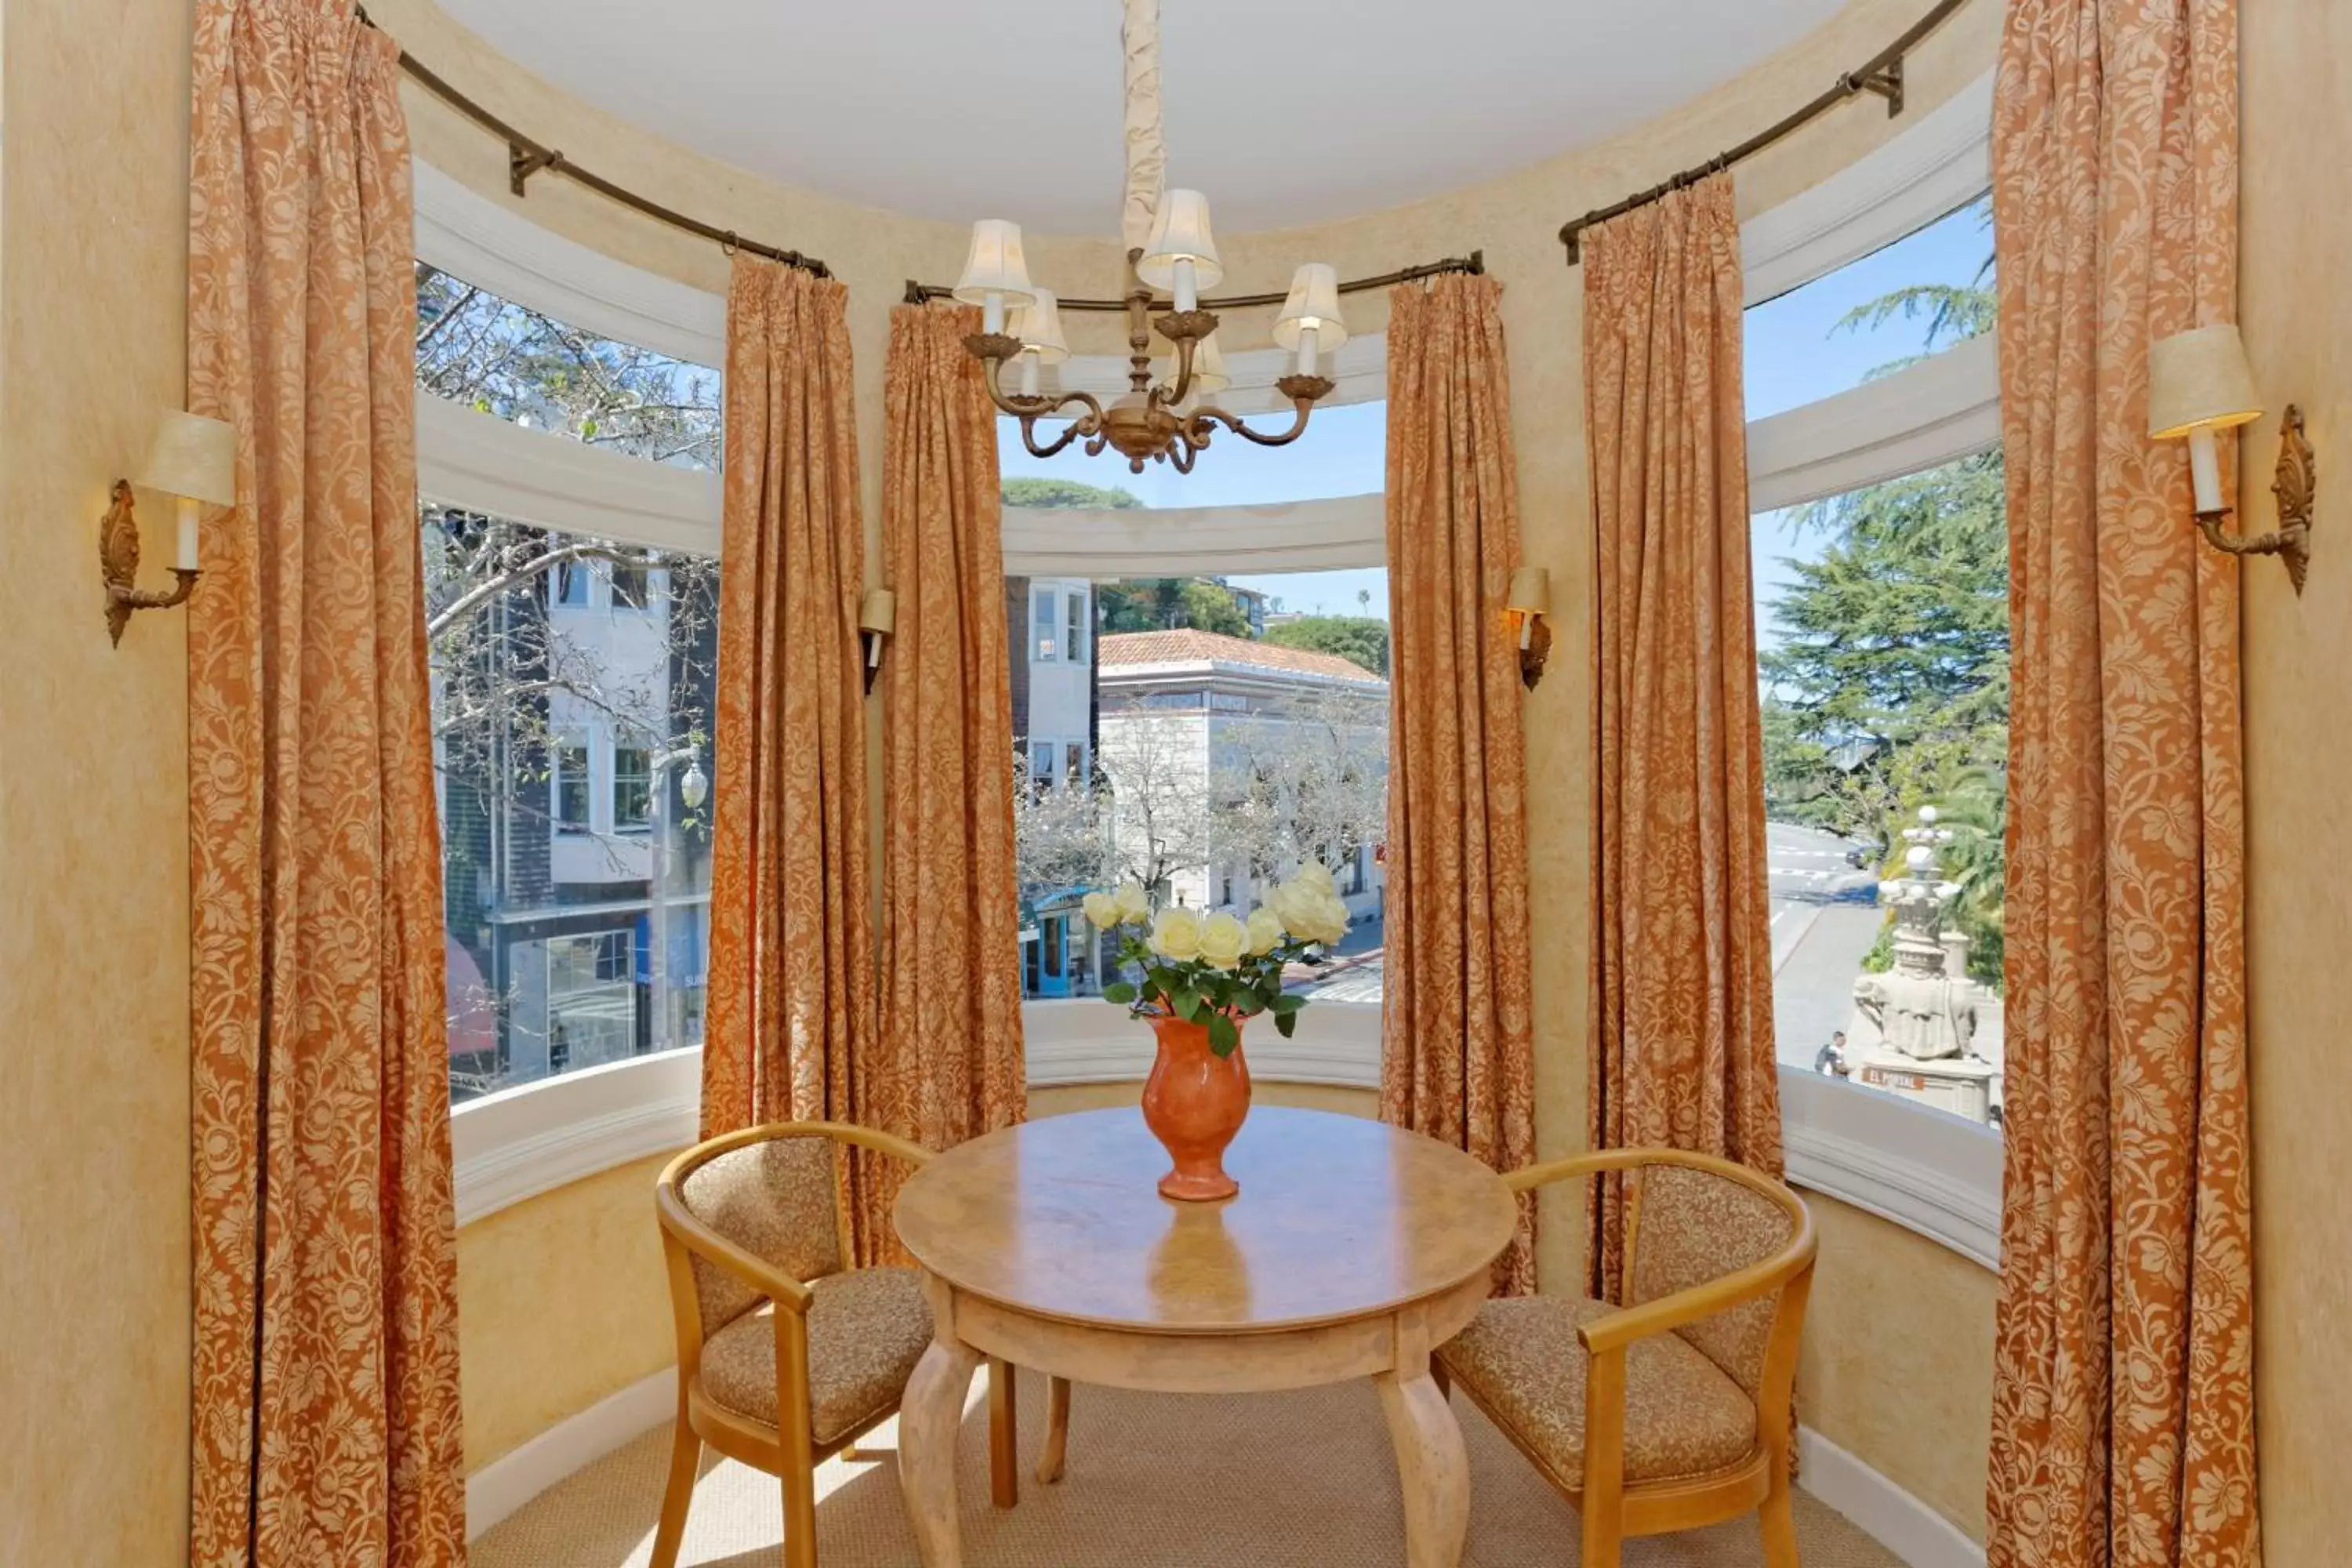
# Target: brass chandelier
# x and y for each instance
(1163, 416)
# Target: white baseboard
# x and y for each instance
(505, 1484)
(1915, 1533)
(1886, 1513)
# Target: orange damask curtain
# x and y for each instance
(950, 1004)
(325, 1401)
(1680, 1047)
(791, 1024)
(1457, 1058)
(2123, 1405)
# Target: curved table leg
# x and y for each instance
(930, 1414)
(1434, 1466)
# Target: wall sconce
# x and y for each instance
(2197, 383)
(193, 459)
(878, 616)
(1531, 601)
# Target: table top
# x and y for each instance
(1339, 1217)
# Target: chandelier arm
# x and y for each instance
(1028, 436)
(1230, 422)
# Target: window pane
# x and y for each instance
(1882, 625)
(1073, 641)
(1240, 727)
(1043, 607)
(502, 358)
(572, 939)
(1873, 316)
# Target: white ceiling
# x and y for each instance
(1285, 111)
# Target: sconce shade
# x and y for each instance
(193, 456)
(2199, 378)
(1531, 592)
(1038, 325)
(1179, 231)
(995, 265)
(879, 612)
(1314, 302)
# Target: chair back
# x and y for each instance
(777, 1197)
(1694, 1227)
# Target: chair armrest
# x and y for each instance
(888, 1143)
(714, 1248)
(1752, 1283)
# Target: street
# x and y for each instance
(1825, 916)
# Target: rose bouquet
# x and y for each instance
(1222, 969)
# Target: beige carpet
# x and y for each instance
(1289, 1480)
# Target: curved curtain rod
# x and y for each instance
(1474, 264)
(1881, 74)
(527, 156)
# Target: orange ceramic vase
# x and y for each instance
(1194, 1101)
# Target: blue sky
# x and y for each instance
(1794, 354)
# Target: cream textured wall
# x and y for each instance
(93, 821)
(1898, 1363)
(1513, 220)
(562, 1299)
(2297, 227)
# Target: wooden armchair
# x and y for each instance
(1672, 1411)
(785, 1355)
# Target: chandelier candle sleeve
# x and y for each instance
(996, 273)
(1038, 325)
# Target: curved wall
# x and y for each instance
(1898, 1366)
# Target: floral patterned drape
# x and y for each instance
(325, 1399)
(790, 1034)
(1457, 1058)
(2123, 1406)
(950, 1004)
(1681, 1009)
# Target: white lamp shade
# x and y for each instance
(2199, 378)
(1209, 374)
(1179, 231)
(194, 456)
(1530, 591)
(995, 265)
(1314, 302)
(1038, 325)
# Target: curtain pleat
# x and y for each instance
(2123, 1407)
(1457, 1058)
(325, 1402)
(950, 982)
(790, 1034)
(1680, 1045)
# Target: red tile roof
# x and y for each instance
(1120, 649)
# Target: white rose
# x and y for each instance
(1293, 905)
(1264, 930)
(1333, 913)
(1177, 935)
(1314, 875)
(1222, 940)
(1102, 911)
(1134, 905)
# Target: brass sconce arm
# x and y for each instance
(118, 560)
(2294, 485)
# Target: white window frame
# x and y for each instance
(1935, 1173)
(584, 740)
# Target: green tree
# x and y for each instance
(1039, 493)
(1171, 603)
(1359, 639)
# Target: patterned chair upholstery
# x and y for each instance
(786, 1355)
(1671, 1411)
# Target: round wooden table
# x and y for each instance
(1352, 1251)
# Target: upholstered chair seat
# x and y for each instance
(788, 1353)
(1671, 1409)
(1522, 1362)
(866, 1329)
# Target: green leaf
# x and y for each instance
(1285, 1024)
(1224, 1036)
(1119, 993)
(1286, 1001)
(1249, 1004)
(1187, 1004)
